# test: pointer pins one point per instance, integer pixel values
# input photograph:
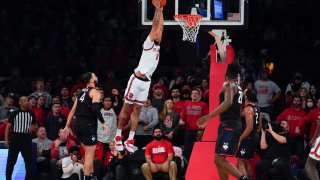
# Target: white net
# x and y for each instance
(190, 25)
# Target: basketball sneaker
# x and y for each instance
(129, 144)
(119, 145)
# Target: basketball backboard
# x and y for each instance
(216, 14)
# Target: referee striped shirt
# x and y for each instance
(21, 121)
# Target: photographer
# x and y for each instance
(276, 143)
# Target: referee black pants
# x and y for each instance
(19, 143)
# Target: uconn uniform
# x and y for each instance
(138, 88)
(248, 145)
(230, 124)
(85, 126)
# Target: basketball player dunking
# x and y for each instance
(138, 86)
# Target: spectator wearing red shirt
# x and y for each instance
(159, 155)
(190, 113)
(38, 112)
(293, 115)
(313, 117)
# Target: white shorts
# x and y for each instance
(315, 151)
(137, 91)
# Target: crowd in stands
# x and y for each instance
(59, 40)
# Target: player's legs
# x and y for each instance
(311, 168)
(222, 163)
(88, 160)
(123, 114)
(241, 164)
(135, 117)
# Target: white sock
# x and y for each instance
(131, 135)
(118, 132)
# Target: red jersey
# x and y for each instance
(159, 150)
(293, 117)
(191, 112)
(313, 117)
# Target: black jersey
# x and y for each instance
(232, 113)
(256, 118)
(84, 105)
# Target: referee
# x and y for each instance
(21, 124)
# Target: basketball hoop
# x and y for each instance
(190, 24)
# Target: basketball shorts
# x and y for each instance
(246, 149)
(228, 137)
(86, 132)
(315, 151)
(137, 90)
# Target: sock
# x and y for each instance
(86, 177)
(131, 135)
(118, 132)
(93, 176)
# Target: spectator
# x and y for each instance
(158, 97)
(117, 103)
(63, 110)
(309, 105)
(177, 107)
(21, 124)
(118, 166)
(159, 155)
(313, 92)
(191, 112)
(185, 92)
(38, 112)
(276, 146)
(293, 115)
(268, 93)
(55, 121)
(177, 102)
(148, 118)
(58, 151)
(110, 119)
(43, 150)
(313, 117)
(112, 152)
(294, 86)
(40, 91)
(303, 93)
(169, 122)
(72, 165)
(65, 98)
(7, 107)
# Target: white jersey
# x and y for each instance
(110, 119)
(149, 58)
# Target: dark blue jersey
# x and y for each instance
(84, 105)
(232, 113)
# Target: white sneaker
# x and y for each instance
(119, 145)
(129, 145)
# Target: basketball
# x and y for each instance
(162, 2)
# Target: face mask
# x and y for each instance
(309, 104)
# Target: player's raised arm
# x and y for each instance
(157, 23)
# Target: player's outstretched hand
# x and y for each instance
(66, 132)
(202, 121)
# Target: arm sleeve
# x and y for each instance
(96, 111)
